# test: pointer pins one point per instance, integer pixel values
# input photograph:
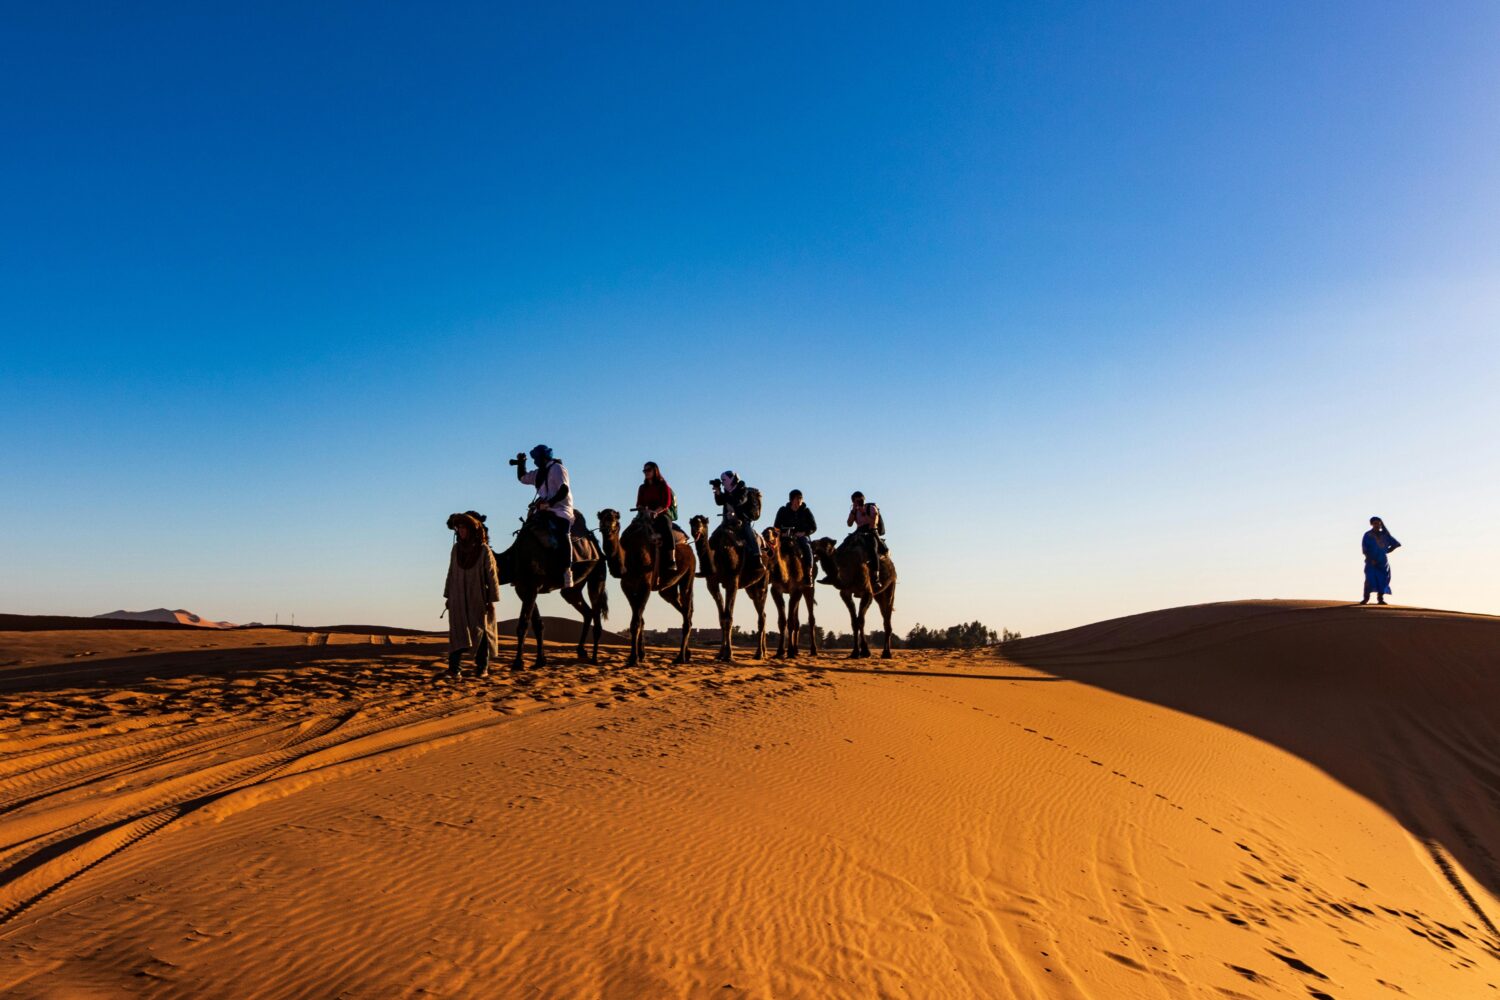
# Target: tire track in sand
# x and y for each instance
(48, 847)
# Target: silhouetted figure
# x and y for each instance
(1377, 544)
(472, 589)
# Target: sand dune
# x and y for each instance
(565, 630)
(1400, 704)
(179, 617)
(1248, 800)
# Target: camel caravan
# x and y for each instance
(556, 551)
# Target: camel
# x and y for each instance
(634, 557)
(725, 566)
(528, 567)
(849, 564)
(791, 583)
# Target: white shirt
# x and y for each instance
(555, 479)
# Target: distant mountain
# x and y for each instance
(563, 630)
(178, 617)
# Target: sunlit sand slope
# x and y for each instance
(941, 825)
(1399, 704)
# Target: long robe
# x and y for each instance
(1376, 546)
(471, 595)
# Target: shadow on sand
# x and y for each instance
(1401, 705)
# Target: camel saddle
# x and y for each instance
(584, 543)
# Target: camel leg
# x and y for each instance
(637, 627)
(638, 604)
(853, 623)
(812, 621)
(574, 596)
(760, 622)
(680, 597)
(726, 625)
(528, 602)
(536, 630)
(597, 598)
(793, 624)
(863, 640)
(780, 600)
(713, 591)
(887, 603)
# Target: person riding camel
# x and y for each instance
(655, 499)
(796, 519)
(554, 497)
(869, 528)
(732, 494)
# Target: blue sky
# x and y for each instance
(1111, 307)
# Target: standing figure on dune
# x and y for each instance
(470, 594)
(1377, 544)
(554, 498)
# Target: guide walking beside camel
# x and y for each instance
(471, 592)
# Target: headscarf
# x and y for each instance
(541, 454)
(469, 549)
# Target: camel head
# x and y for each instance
(823, 547)
(772, 536)
(697, 526)
(609, 522)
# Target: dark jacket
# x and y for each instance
(796, 520)
(737, 499)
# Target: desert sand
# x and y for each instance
(1256, 799)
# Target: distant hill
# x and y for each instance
(563, 630)
(52, 623)
(178, 617)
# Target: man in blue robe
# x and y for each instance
(1377, 544)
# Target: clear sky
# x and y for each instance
(1110, 306)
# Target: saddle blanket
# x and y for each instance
(585, 548)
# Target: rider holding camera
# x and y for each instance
(869, 528)
(732, 494)
(553, 497)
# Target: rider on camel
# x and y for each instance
(732, 494)
(553, 498)
(795, 518)
(655, 499)
(869, 528)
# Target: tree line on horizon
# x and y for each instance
(969, 635)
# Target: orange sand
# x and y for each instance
(1242, 800)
